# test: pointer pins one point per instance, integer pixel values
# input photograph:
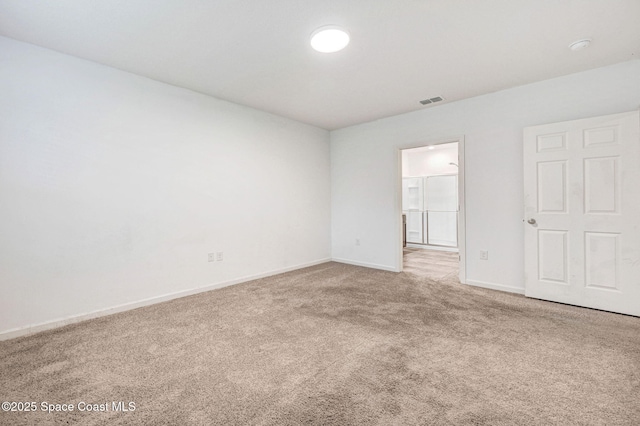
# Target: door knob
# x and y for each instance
(531, 221)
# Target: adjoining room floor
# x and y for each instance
(434, 264)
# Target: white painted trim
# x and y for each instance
(366, 265)
(399, 244)
(493, 286)
(24, 331)
(462, 216)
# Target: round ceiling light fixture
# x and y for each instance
(329, 39)
(580, 44)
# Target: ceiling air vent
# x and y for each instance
(432, 100)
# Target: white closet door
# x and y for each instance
(582, 204)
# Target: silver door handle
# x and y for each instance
(531, 221)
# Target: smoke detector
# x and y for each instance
(432, 100)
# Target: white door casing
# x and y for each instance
(582, 191)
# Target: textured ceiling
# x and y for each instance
(256, 52)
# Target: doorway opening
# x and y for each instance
(432, 210)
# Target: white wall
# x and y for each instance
(365, 170)
(426, 162)
(114, 187)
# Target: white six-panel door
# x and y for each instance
(582, 212)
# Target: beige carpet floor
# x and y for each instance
(335, 345)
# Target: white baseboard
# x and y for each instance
(36, 328)
(493, 286)
(365, 264)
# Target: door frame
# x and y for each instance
(462, 275)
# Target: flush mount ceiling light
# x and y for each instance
(329, 39)
(580, 44)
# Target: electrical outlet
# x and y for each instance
(212, 257)
(357, 241)
(219, 256)
(484, 255)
